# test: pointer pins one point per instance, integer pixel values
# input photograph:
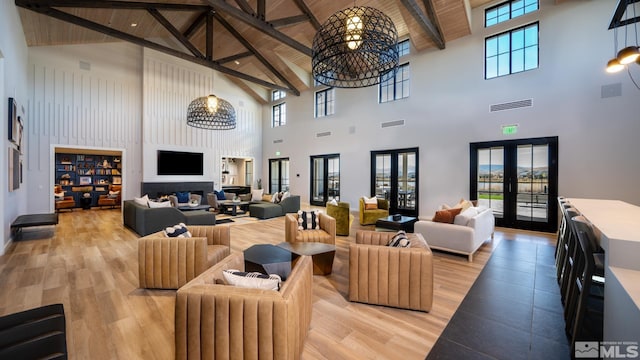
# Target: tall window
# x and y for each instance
(325, 100)
(395, 87)
(512, 51)
(508, 10)
(278, 175)
(278, 109)
(404, 48)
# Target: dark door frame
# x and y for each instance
(325, 176)
(393, 195)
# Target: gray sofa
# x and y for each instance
(267, 210)
(144, 220)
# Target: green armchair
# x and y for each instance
(343, 217)
(369, 217)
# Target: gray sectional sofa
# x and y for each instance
(144, 220)
(267, 210)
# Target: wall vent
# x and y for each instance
(392, 123)
(85, 65)
(512, 105)
(279, 141)
(612, 90)
(352, 129)
(326, 133)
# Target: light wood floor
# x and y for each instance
(89, 263)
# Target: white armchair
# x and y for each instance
(464, 236)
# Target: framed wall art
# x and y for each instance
(13, 120)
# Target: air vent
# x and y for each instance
(613, 90)
(352, 129)
(326, 133)
(392, 123)
(84, 65)
(512, 105)
(279, 141)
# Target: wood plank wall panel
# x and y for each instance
(169, 85)
(70, 106)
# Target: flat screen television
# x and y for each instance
(179, 163)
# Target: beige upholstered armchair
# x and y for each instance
(217, 321)
(390, 276)
(326, 234)
(168, 263)
(369, 217)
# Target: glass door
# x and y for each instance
(517, 179)
(325, 179)
(394, 177)
(278, 175)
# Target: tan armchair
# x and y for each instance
(390, 276)
(113, 201)
(67, 202)
(216, 321)
(169, 263)
(326, 234)
(369, 217)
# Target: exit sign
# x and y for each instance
(509, 129)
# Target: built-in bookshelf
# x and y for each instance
(82, 173)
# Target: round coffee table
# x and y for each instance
(322, 254)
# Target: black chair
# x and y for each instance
(585, 320)
(38, 333)
(569, 253)
(563, 233)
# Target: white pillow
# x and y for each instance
(159, 204)
(256, 195)
(178, 231)
(60, 195)
(333, 202)
(464, 217)
(144, 201)
(253, 280)
(285, 195)
(371, 202)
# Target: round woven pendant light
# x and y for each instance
(212, 113)
(354, 48)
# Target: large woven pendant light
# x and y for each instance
(212, 113)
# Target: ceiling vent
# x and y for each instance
(326, 133)
(392, 123)
(279, 141)
(85, 65)
(512, 105)
(613, 90)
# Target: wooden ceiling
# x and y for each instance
(258, 44)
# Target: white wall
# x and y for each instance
(13, 83)
(449, 108)
(83, 96)
(170, 85)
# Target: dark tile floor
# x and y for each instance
(512, 311)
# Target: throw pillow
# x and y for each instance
(308, 220)
(253, 280)
(59, 195)
(179, 230)
(113, 194)
(256, 195)
(276, 198)
(464, 216)
(266, 197)
(159, 204)
(446, 216)
(285, 195)
(144, 201)
(334, 202)
(183, 196)
(219, 194)
(370, 203)
(400, 239)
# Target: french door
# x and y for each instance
(278, 175)
(325, 179)
(518, 179)
(394, 177)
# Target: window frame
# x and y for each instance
(282, 115)
(326, 102)
(511, 50)
(396, 84)
(510, 12)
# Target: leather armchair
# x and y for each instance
(169, 263)
(67, 202)
(216, 321)
(390, 276)
(107, 200)
(326, 234)
(369, 217)
(343, 216)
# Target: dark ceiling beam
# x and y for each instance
(132, 5)
(235, 57)
(209, 36)
(621, 8)
(195, 25)
(244, 5)
(263, 26)
(60, 15)
(305, 10)
(291, 20)
(256, 53)
(262, 10)
(427, 25)
(175, 32)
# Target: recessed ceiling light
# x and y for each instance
(134, 24)
(237, 62)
